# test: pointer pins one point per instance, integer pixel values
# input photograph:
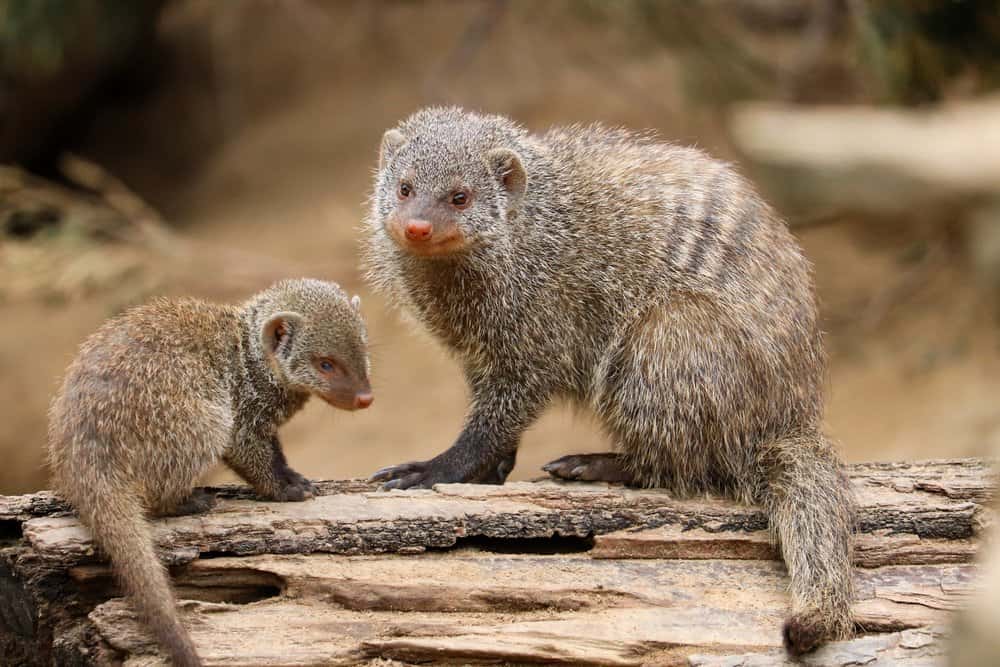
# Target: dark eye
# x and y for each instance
(405, 190)
(460, 199)
(328, 366)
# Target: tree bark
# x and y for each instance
(526, 572)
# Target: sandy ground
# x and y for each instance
(914, 350)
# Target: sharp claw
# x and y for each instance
(396, 471)
(382, 474)
(548, 467)
(413, 480)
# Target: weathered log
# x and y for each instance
(526, 572)
(876, 162)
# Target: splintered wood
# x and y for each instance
(531, 572)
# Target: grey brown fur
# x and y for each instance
(645, 281)
(160, 394)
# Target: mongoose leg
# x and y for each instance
(261, 462)
(603, 467)
(486, 449)
(502, 471)
(198, 502)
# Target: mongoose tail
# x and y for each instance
(810, 509)
(117, 521)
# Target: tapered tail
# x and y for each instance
(124, 534)
(811, 512)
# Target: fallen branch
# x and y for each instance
(526, 572)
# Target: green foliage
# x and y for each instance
(40, 38)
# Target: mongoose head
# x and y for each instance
(448, 181)
(315, 341)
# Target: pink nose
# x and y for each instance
(418, 230)
(362, 401)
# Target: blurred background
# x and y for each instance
(208, 148)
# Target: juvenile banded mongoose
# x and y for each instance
(645, 281)
(161, 393)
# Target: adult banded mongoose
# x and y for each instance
(645, 281)
(161, 393)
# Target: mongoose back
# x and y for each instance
(158, 395)
(643, 280)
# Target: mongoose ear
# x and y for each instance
(507, 168)
(277, 334)
(356, 302)
(392, 140)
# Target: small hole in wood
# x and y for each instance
(209, 555)
(232, 586)
(528, 545)
(10, 530)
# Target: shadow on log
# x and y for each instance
(529, 572)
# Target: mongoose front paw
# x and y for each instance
(290, 476)
(498, 474)
(295, 491)
(402, 476)
(605, 467)
(416, 474)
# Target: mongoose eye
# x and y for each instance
(329, 366)
(460, 199)
(405, 190)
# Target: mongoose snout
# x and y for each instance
(428, 234)
(341, 387)
(358, 399)
(418, 230)
(427, 222)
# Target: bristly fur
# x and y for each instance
(650, 283)
(160, 394)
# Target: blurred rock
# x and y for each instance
(873, 161)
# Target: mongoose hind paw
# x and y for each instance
(199, 502)
(604, 467)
